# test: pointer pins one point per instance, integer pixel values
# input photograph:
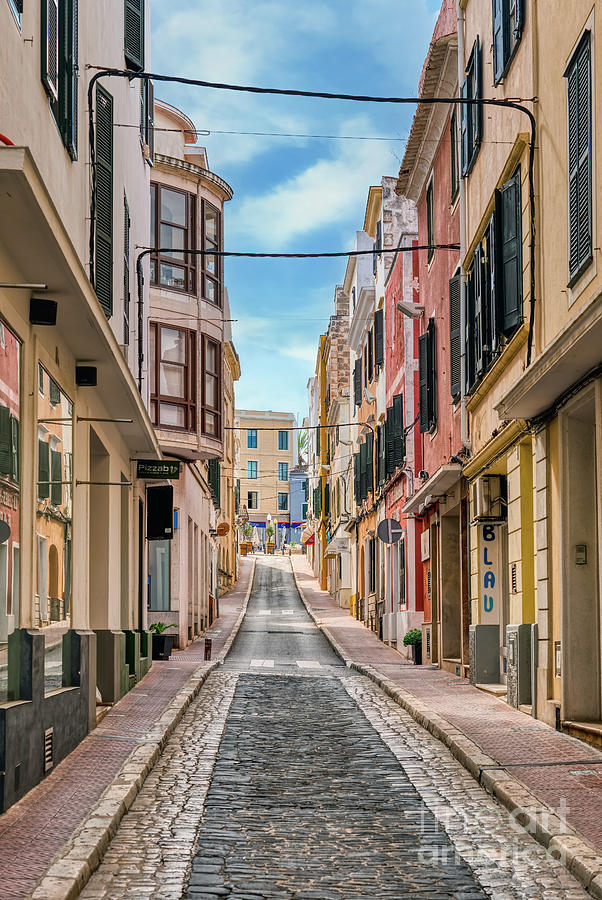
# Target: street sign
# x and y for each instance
(223, 528)
(389, 531)
(157, 468)
(4, 531)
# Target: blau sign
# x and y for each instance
(490, 574)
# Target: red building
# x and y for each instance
(430, 176)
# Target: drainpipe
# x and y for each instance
(463, 412)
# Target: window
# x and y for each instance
(251, 468)
(172, 377)
(471, 114)
(252, 500)
(126, 271)
(9, 445)
(430, 220)
(304, 512)
(103, 271)
(56, 477)
(370, 355)
(215, 481)
(211, 388)
(453, 143)
(54, 392)
(402, 573)
(379, 343)
(507, 29)
(60, 64)
(159, 593)
(455, 337)
(427, 378)
(43, 469)
(211, 266)
(147, 119)
(282, 471)
(578, 77)
(172, 230)
(252, 438)
(357, 382)
(494, 290)
(283, 440)
(393, 438)
(134, 34)
(282, 502)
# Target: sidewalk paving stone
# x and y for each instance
(466, 716)
(36, 829)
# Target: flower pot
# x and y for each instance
(417, 654)
(270, 547)
(162, 646)
(243, 549)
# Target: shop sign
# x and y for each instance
(157, 468)
(490, 573)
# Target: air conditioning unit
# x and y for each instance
(489, 498)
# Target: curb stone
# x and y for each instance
(73, 866)
(541, 821)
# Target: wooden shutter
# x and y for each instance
(469, 332)
(150, 120)
(356, 477)
(103, 281)
(327, 499)
(399, 445)
(499, 39)
(56, 477)
(580, 188)
(19, 6)
(5, 442)
(464, 127)
(357, 382)
(389, 443)
(50, 48)
(423, 382)
(369, 464)
(126, 271)
(455, 337)
(363, 471)
(495, 291)
(43, 470)
(477, 93)
(370, 354)
(379, 335)
(479, 313)
(511, 255)
(432, 374)
(134, 34)
(68, 86)
(14, 439)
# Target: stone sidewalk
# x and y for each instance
(108, 767)
(551, 782)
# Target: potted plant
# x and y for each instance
(162, 643)
(269, 533)
(413, 639)
(247, 533)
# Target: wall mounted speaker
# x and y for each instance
(42, 311)
(159, 513)
(86, 376)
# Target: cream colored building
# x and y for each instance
(191, 373)
(228, 549)
(267, 455)
(77, 542)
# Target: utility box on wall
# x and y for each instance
(484, 652)
(518, 643)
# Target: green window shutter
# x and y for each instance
(379, 338)
(134, 34)
(126, 271)
(15, 444)
(494, 288)
(357, 382)
(104, 200)
(68, 79)
(389, 442)
(54, 392)
(511, 255)
(499, 39)
(150, 119)
(370, 464)
(477, 93)
(318, 439)
(455, 337)
(370, 355)
(464, 127)
(432, 374)
(363, 471)
(5, 442)
(43, 470)
(356, 477)
(478, 329)
(580, 186)
(423, 382)
(56, 477)
(50, 48)
(399, 445)
(469, 332)
(326, 499)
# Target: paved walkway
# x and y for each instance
(559, 770)
(34, 830)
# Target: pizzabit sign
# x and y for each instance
(157, 468)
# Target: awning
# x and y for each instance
(336, 547)
(433, 489)
(308, 536)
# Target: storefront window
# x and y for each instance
(10, 496)
(54, 525)
(158, 571)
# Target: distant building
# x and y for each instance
(299, 490)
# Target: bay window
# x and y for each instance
(211, 265)
(211, 388)
(172, 233)
(173, 377)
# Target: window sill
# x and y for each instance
(578, 276)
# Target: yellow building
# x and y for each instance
(560, 392)
(267, 455)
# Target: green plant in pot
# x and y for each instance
(162, 642)
(413, 639)
(247, 533)
(269, 533)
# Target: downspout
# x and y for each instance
(463, 411)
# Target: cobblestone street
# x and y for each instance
(291, 777)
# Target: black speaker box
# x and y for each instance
(159, 513)
(42, 311)
(86, 376)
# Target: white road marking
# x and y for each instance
(287, 612)
(308, 664)
(262, 663)
(264, 612)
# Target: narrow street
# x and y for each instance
(292, 777)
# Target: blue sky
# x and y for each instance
(296, 194)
